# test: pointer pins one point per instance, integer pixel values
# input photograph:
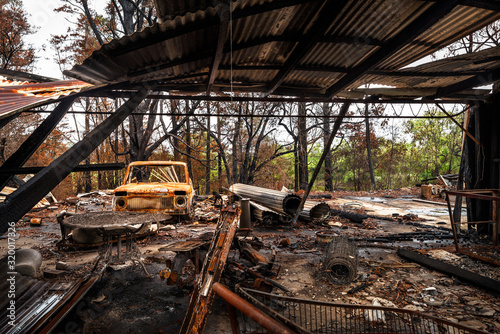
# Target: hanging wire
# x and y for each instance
(231, 47)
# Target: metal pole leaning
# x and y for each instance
(269, 323)
(326, 150)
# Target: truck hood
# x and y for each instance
(153, 188)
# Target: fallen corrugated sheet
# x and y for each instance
(264, 214)
(37, 302)
(315, 211)
(282, 202)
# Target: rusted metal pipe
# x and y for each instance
(272, 325)
(319, 211)
(277, 200)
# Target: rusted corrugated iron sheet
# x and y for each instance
(18, 96)
(37, 303)
(34, 299)
(180, 49)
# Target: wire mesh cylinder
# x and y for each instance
(341, 261)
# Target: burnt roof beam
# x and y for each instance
(292, 37)
(418, 26)
(287, 37)
(219, 49)
(326, 16)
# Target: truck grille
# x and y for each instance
(155, 203)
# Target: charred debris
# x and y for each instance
(383, 261)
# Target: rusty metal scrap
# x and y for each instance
(259, 275)
(265, 215)
(251, 254)
(268, 204)
(492, 195)
(213, 266)
(341, 261)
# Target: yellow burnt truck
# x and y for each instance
(156, 186)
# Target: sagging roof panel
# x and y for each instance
(442, 72)
(18, 96)
(268, 37)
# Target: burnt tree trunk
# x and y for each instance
(128, 16)
(207, 167)
(302, 146)
(296, 165)
(328, 157)
(236, 146)
(87, 179)
(175, 141)
(3, 142)
(219, 154)
(369, 149)
(188, 144)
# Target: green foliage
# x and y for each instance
(413, 151)
(435, 146)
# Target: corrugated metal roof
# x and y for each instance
(16, 96)
(265, 34)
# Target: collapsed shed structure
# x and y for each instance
(289, 50)
(284, 50)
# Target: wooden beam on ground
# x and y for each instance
(486, 283)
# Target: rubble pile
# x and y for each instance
(284, 260)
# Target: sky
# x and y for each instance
(42, 15)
